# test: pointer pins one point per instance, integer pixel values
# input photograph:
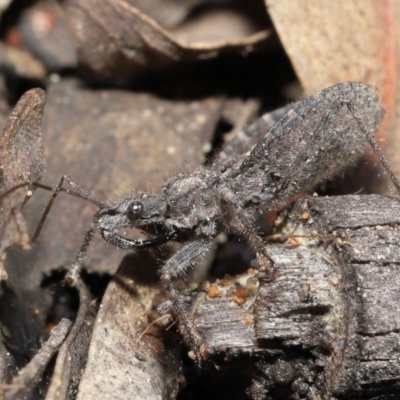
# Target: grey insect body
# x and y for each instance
(316, 140)
(262, 169)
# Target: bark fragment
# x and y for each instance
(330, 314)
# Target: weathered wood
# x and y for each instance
(134, 363)
(328, 324)
(28, 377)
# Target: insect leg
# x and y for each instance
(187, 257)
(241, 226)
(76, 191)
(73, 274)
(375, 147)
(238, 223)
(47, 210)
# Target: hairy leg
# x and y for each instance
(178, 265)
(187, 257)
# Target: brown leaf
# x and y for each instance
(167, 13)
(213, 24)
(22, 160)
(117, 42)
(331, 42)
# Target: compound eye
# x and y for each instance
(135, 210)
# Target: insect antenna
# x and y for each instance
(76, 191)
(14, 188)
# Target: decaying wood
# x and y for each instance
(27, 378)
(127, 359)
(72, 355)
(328, 323)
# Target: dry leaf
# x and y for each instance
(116, 42)
(218, 23)
(22, 160)
(167, 13)
(332, 42)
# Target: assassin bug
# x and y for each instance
(316, 139)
